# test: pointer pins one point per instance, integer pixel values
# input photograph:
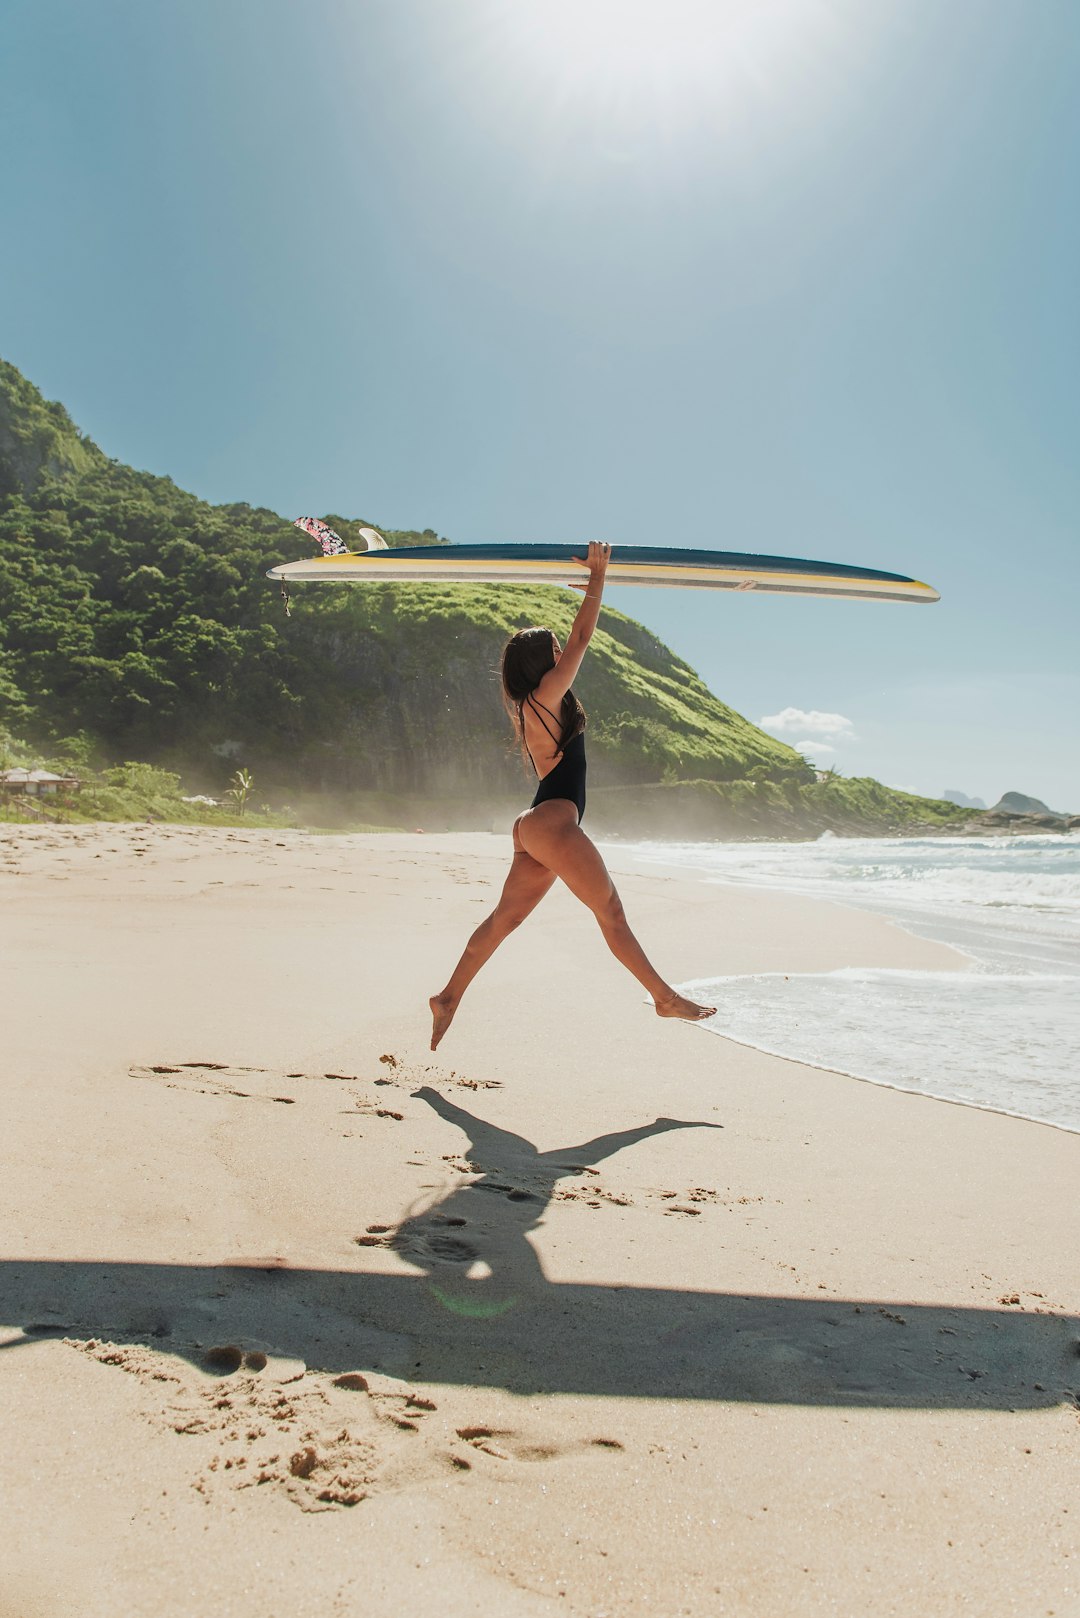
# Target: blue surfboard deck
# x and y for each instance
(653, 566)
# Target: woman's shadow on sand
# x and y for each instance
(473, 1243)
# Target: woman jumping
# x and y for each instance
(548, 841)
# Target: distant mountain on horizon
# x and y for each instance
(1017, 803)
(953, 795)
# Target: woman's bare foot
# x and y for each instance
(677, 1005)
(442, 1015)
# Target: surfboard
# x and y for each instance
(656, 566)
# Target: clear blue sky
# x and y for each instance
(798, 276)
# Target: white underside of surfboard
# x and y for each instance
(402, 566)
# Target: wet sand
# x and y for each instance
(589, 1307)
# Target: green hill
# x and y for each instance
(138, 617)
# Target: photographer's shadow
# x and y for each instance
(482, 1312)
(473, 1243)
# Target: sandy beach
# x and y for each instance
(588, 1312)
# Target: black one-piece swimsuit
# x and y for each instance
(567, 779)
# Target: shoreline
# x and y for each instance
(412, 808)
(953, 930)
(784, 1347)
(862, 1078)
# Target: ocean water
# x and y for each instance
(1003, 1033)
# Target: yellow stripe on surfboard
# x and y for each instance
(399, 566)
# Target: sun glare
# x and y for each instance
(636, 63)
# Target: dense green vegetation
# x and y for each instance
(138, 620)
(748, 809)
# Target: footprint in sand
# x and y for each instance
(688, 1202)
(414, 1074)
(593, 1196)
(226, 1078)
(371, 1110)
(264, 1418)
(505, 1444)
(225, 1359)
(426, 1246)
(208, 1078)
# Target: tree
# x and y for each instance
(243, 785)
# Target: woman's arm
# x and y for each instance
(554, 686)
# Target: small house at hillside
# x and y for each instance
(37, 783)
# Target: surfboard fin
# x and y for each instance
(373, 540)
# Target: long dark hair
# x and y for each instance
(526, 658)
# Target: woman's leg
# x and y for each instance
(525, 886)
(555, 840)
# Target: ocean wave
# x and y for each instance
(1008, 1042)
(1003, 1034)
(1038, 876)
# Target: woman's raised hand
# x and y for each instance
(597, 562)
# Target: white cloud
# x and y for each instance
(811, 722)
(814, 750)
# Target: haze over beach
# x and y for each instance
(775, 1312)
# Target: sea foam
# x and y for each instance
(1003, 1034)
